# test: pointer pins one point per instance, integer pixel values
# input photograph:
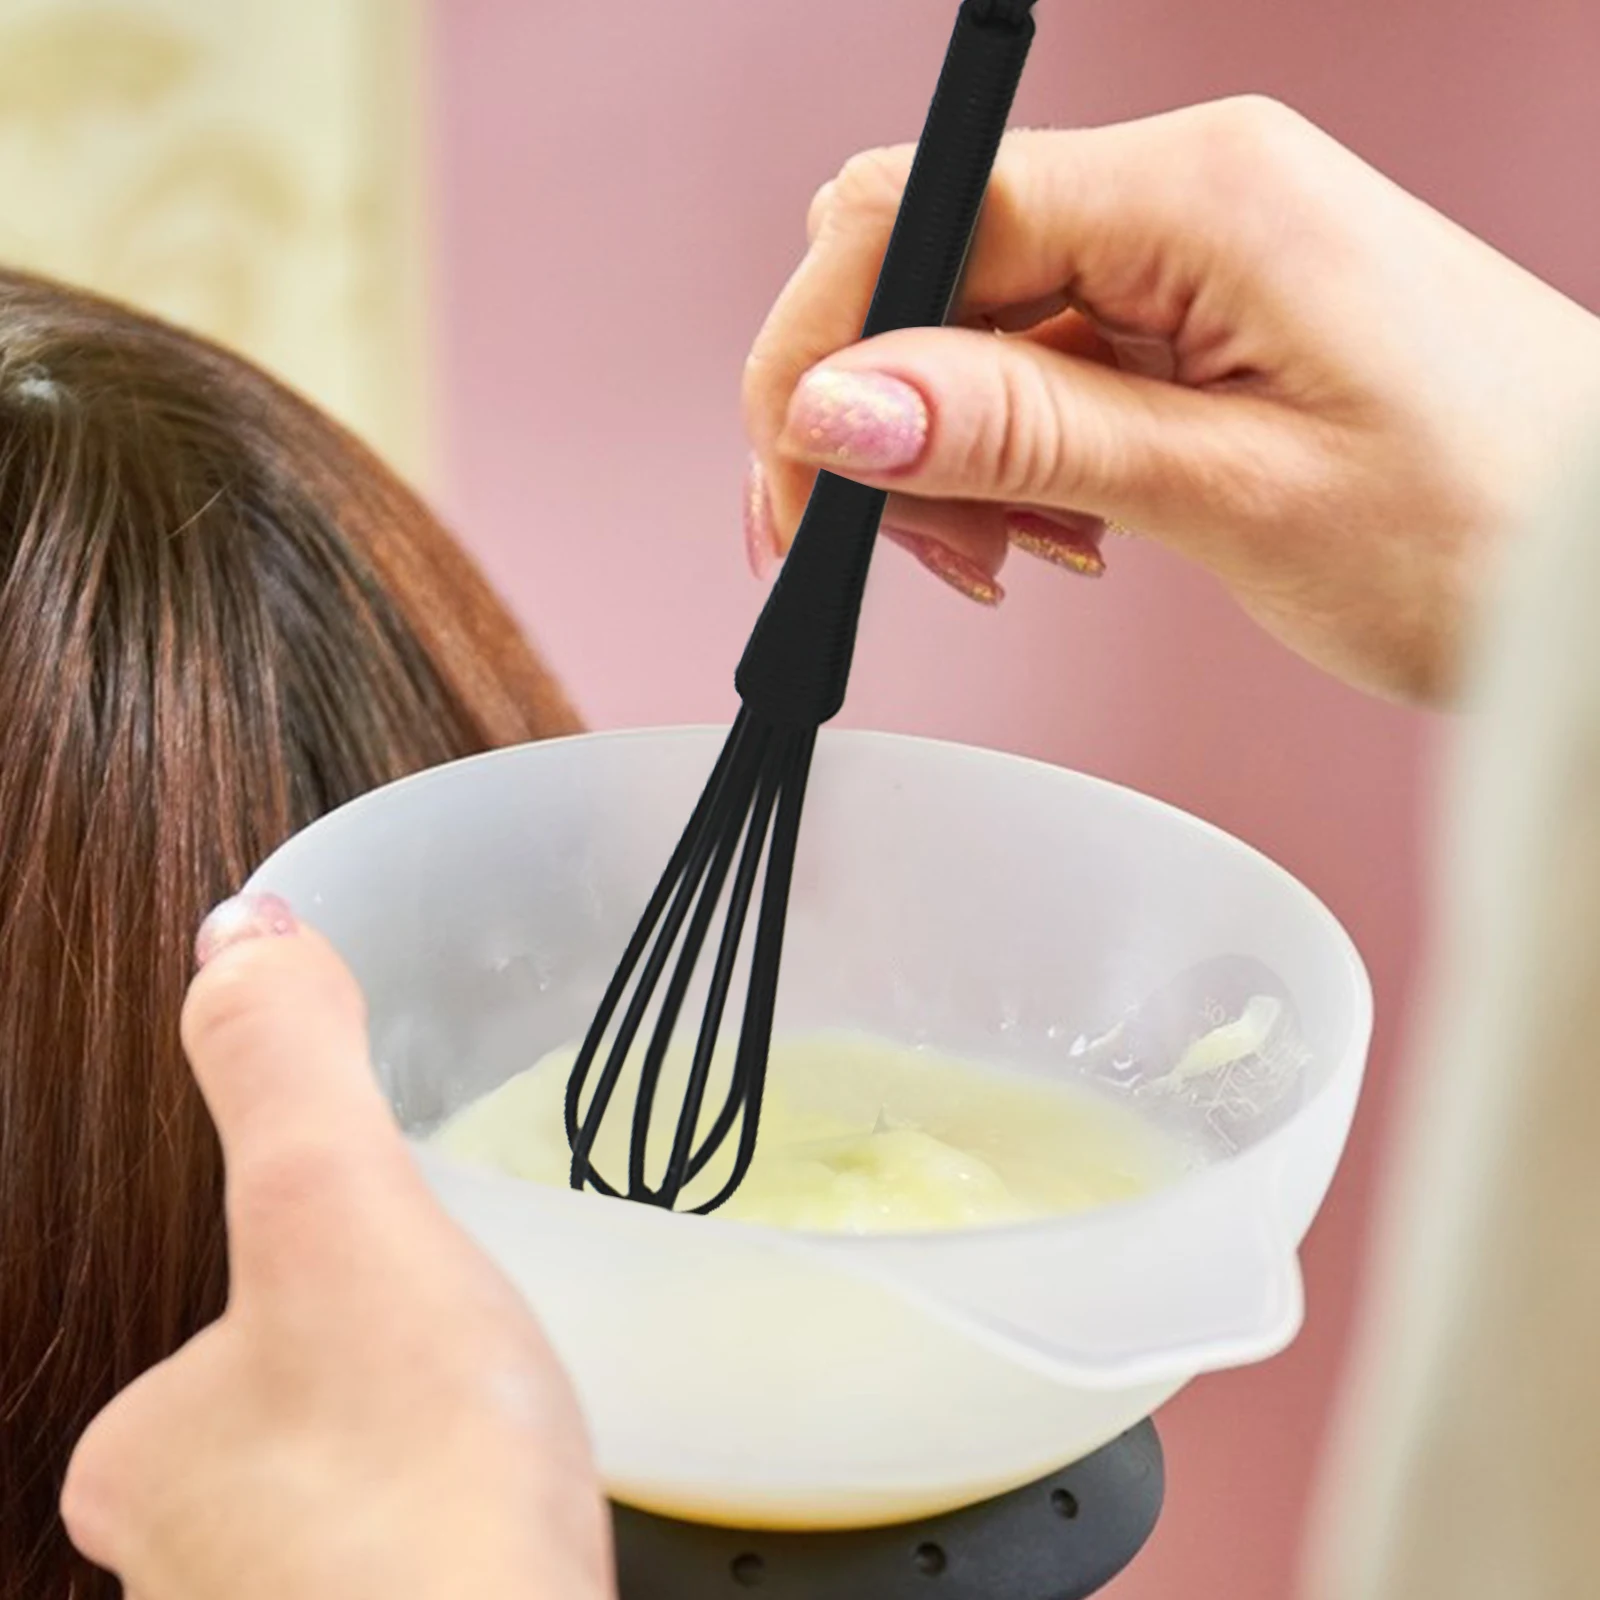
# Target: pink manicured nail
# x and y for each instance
(1077, 548)
(246, 916)
(963, 575)
(865, 420)
(760, 532)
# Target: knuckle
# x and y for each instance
(770, 369)
(1248, 132)
(1257, 117)
(868, 187)
(753, 385)
(91, 1494)
(221, 1011)
(227, 1004)
(1247, 161)
(817, 211)
(286, 1196)
(105, 1491)
(1024, 453)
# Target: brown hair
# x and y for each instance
(220, 616)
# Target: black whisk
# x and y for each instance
(791, 680)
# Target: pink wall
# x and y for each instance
(621, 190)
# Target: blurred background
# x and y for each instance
(523, 246)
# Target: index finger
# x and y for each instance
(1026, 248)
(1123, 222)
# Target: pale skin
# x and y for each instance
(377, 1413)
(1229, 335)
(1225, 333)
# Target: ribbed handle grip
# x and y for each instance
(797, 662)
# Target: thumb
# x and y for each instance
(954, 414)
(275, 1029)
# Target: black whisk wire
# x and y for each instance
(684, 1165)
(791, 680)
(692, 846)
(755, 1037)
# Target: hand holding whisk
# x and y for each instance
(791, 680)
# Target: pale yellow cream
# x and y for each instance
(857, 1136)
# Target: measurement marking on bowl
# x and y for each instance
(1064, 1502)
(749, 1570)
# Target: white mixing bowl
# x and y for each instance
(979, 904)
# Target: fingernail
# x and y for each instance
(1075, 548)
(760, 532)
(246, 916)
(865, 420)
(963, 575)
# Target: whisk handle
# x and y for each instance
(797, 662)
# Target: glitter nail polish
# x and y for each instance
(760, 532)
(866, 421)
(963, 574)
(1074, 547)
(246, 916)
